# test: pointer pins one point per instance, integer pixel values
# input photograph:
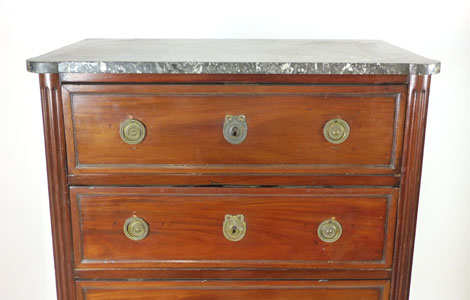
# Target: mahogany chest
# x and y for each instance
(233, 169)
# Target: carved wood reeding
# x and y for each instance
(418, 94)
(57, 184)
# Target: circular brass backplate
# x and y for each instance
(234, 227)
(336, 131)
(330, 231)
(132, 131)
(136, 228)
(235, 129)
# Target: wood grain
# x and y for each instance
(230, 273)
(242, 290)
(184, 129)
(186, 227)
(57, 182)
(235, 179)
(232, 78)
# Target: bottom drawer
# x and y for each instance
(239, 290)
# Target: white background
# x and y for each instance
(435, 29)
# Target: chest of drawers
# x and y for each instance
(233, 169)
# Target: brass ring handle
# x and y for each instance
(132, 131)
(136, 228)
(330, 231)
(336, 131)
(234, 227)
(235, 129)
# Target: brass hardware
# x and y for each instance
(136, 228)
(330, 231)
(235, 129)
(336, 131)
(234, 228)
(132, 131)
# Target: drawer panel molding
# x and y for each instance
(272, 227)
(234, 290)
(283, 129)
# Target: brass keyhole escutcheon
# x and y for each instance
(235, 129)
(330, 231)
(336, 131)
(136, 228)
(234, 227)
(132, 131)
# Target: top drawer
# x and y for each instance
(283, 129)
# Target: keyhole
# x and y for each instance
(234, 229)
(235, 131)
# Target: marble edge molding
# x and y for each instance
(338, 68)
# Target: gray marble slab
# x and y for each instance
(229, 56)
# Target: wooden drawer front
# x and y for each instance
(236, 290)
(184, 128)
(186, 227)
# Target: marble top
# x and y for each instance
(230, 56)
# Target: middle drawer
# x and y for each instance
(150, 227)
